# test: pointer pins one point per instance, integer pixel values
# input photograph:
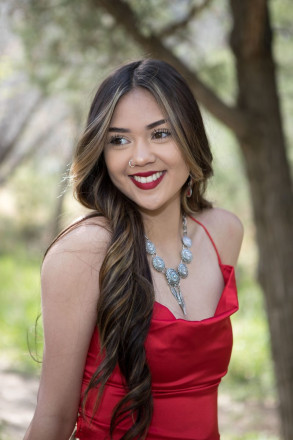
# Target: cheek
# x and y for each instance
(111, 163)
(177, 158)
(181, 165)
(115, 167)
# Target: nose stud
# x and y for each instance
(131, 164)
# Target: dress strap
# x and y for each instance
(210, 237)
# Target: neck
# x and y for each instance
(164, 226)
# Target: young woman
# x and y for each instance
(137, 296)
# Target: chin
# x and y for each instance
(152, 209)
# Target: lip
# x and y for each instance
(149, 185)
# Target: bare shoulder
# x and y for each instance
(89, 237)
(221, 221)
(226, 230)
(77, 255)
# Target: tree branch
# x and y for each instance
(6, 149)
(153, 46)
(194, 11)
(15, 161)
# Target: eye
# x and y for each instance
(118, 140)
(161, 134)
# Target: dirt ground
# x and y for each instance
(17, 401)
(18, 397)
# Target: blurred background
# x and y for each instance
(238, 59)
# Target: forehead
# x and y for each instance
(136, 107)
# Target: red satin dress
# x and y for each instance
(187, 361)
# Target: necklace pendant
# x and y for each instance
(173, 277)
(179, 297)
(181, 301)
(183, 308)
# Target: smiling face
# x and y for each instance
(140, 133)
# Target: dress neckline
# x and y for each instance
(228, 273)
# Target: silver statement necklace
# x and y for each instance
(173, 276)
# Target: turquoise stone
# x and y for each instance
(158, 263)
(150, 247)
(186, 255)
(182, 270)
(173, 277)
(186, 241)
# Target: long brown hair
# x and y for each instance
(126, 291)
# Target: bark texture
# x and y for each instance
(256, 122)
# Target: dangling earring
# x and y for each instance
(189, 188)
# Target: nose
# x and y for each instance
(142, 153)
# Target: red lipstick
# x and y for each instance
(145, 174)
(147, 185)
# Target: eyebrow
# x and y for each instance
(148, 127)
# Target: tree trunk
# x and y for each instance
(268, 173)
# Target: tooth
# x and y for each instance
(148, 179)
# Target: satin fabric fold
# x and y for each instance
(187, 360)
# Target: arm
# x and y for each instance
(70, 288)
